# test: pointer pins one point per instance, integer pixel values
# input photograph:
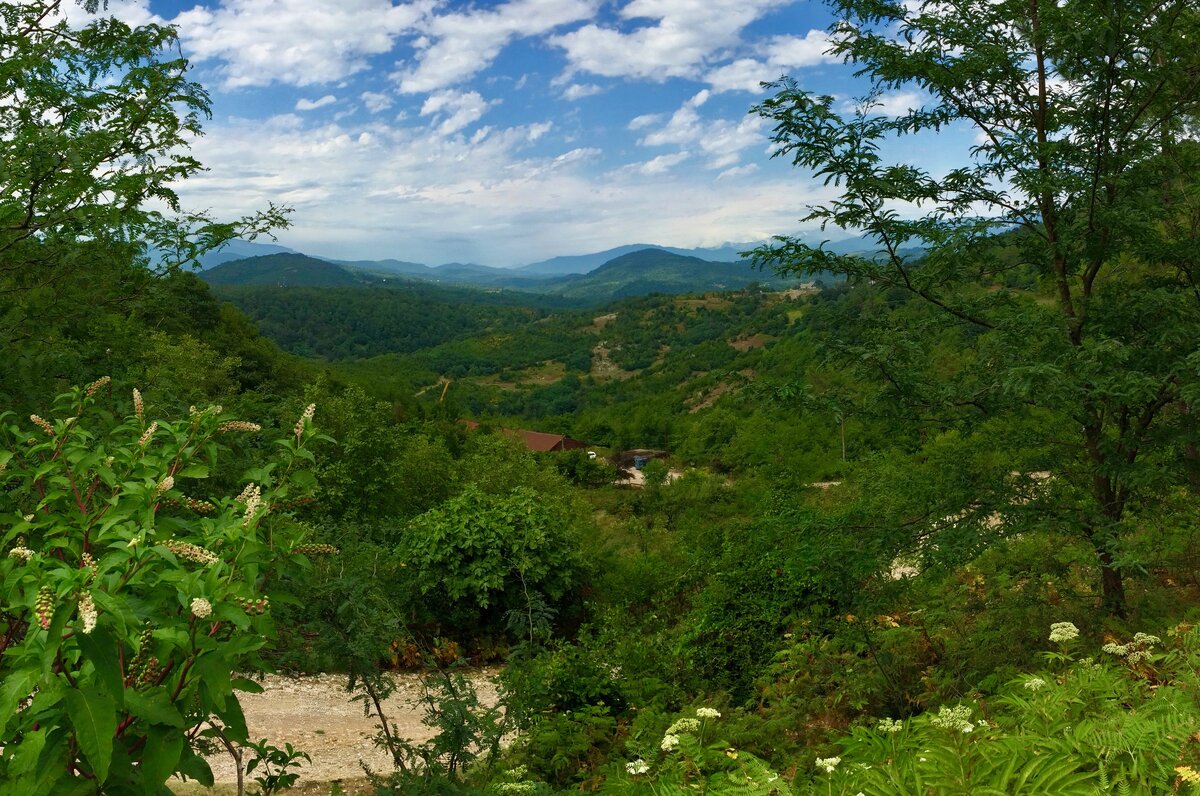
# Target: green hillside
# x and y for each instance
(284, 270)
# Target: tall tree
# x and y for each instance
(1084, 114)
(96, 117)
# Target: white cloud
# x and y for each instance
(312, 105)
(738, 171)
(297, 42)
(898, 103)
(457, 46)
(683, 38)
(375, 101)
(377, 190)
(778, 56)
(455, 109)
(663, 163)
(721, 141)
(644, 121)
(577, 91)
(799, 51)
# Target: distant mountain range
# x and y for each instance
(635, 273)
(634, 269)
(471, 273)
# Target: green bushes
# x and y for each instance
(1124, 723)
(129, 595)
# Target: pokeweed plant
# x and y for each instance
(126, 602)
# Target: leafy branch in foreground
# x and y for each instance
(129, 596)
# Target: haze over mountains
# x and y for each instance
(629, 270)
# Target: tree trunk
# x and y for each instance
(1112, 584)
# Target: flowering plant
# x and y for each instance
(129, 595)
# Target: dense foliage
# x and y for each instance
(864, 512)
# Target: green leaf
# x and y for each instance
(249, 686)
(100, 649)
(160, 758)
(17, 686)
(193, 471)
(94, 716)
(155, 707)
(194, 766)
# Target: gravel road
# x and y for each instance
(315, 714)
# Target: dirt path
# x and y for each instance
(315, 714)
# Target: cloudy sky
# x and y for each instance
(500, 131)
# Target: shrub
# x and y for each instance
(127, 600)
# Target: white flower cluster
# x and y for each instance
(1135, 651)
(1034, 683)
(201, 608)
(507, 788)
(1061, 632)
(957, 718)
(21, 551)
(252, 497)
(682, 726)
(305, 419)
(889, 726)
(87, 612)
(669, 743)
(828, 764)
(708, 713)
(637, 767)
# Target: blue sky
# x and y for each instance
(500, 132)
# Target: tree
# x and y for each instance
(1085, 116)
(96, 123)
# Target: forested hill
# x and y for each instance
(285, 270)
(350, 322)
(656, 271)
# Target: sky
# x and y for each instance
(501, 132)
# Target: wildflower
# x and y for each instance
(1120, 650)
(189, 551)
(252, 497)
(139, 408)
(637, 767)
(956, 718)
(237, 425)
(87, 612)
(28, 518)
(669, 743)
(889, 726)
(95, 386)
(20, 551)
(201, 607)
(164, 485)
(43, 607)
(87, 561)
(1061, 632)
(828, 764)
(1034, 683)
(305, 418)
(147, 434)
(1146, 640)
(43, 424)
(708, 713)
(683, 725)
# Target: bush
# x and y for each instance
(127, 601)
